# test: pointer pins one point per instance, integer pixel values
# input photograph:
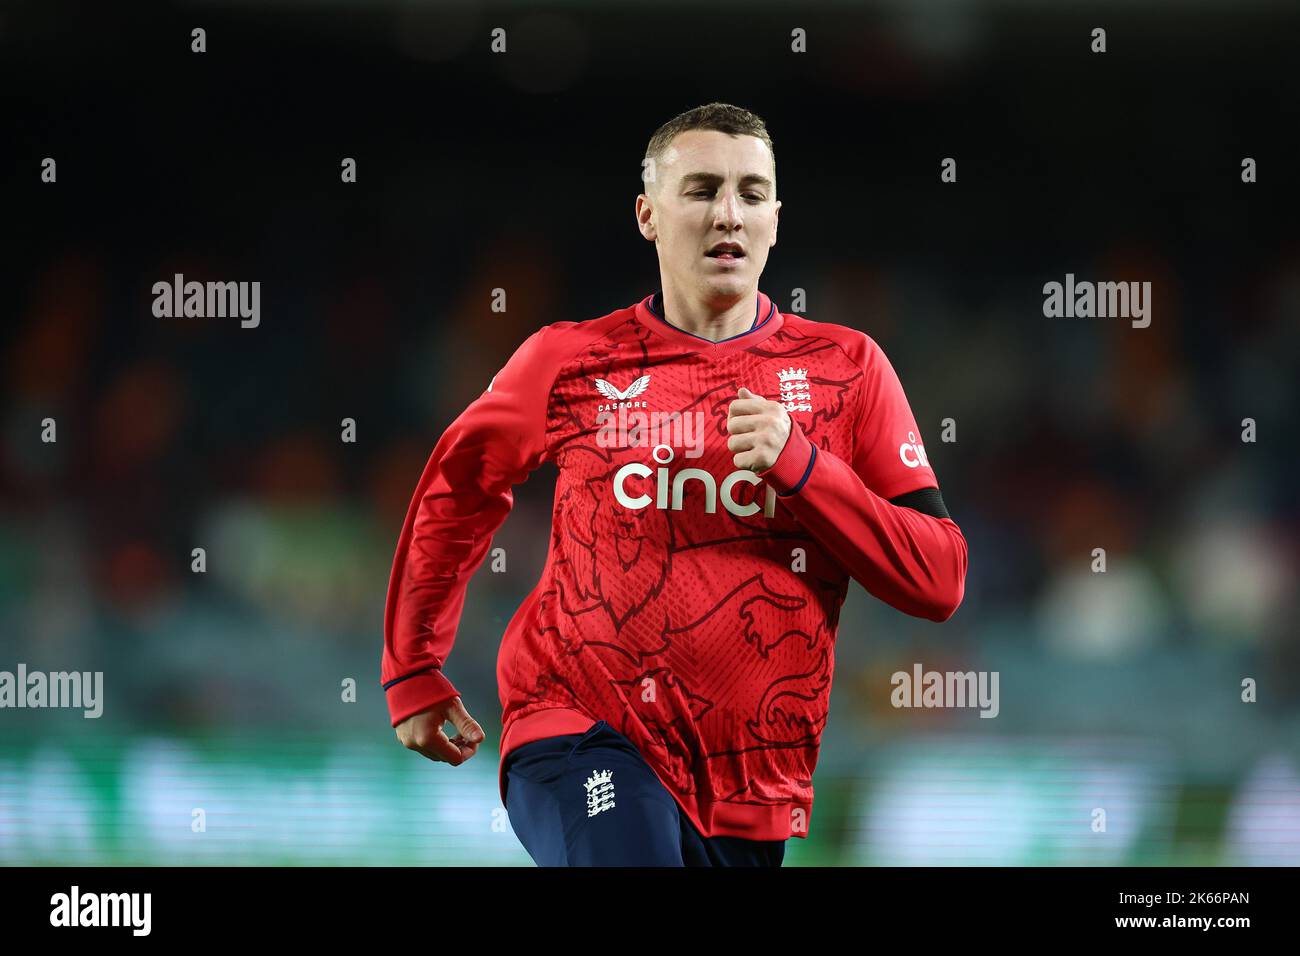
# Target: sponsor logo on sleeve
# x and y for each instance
(913, 452)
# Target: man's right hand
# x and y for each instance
(423, 733)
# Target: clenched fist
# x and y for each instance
(423, 733)
(758, 429)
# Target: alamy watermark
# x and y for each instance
(623, 423)
(1102, 300)
(922, 688)
(74, 909)
(82, 690)
(620, 428)
(211, 300)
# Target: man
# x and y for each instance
(724, 469)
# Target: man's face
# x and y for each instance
(711, 188)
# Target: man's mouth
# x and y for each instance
(728, 252)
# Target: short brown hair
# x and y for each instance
(722, 117)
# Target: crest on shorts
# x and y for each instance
(600, 792)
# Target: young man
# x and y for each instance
(724, 469)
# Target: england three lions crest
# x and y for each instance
(796, 393)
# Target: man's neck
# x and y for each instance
(714, 321)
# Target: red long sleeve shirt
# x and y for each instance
(690, 604)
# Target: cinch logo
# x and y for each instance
(913, 452)
(661, 500)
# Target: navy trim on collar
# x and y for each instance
(654, 310)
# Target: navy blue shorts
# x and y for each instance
(592, 800)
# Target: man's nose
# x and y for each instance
(727, 212)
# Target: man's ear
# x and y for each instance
(776, 219)
(644, 213)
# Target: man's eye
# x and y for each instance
(752, 197)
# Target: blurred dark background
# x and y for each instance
(519, 170)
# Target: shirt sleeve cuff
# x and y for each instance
(420, 691)
(792, 467)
